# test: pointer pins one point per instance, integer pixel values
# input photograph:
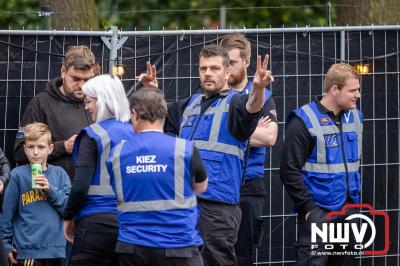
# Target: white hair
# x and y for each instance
(112, 101)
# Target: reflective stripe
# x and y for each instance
(321, 149)
(212, 144)
(213, 110)
(179, 169)
(319, 131)
(330, 168)
(116, 166)
(189, 111)
(216, 123)
(179, 202)
(219, 147)
(158, 205)
(104, 188)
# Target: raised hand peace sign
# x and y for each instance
(262, 77)
(149, 79)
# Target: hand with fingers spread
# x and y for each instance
(149, 79)
(262, 77)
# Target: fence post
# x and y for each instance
(114, 44)
(342, 46)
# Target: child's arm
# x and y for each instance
(4, 171)
(10, 209)
(58, 196)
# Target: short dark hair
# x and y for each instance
(149, 104)
(215, 50)
(80, 57)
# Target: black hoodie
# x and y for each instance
(64, 116)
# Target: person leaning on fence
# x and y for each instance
(321, 158)
(252, 193)
(31, 224)
(91, 215)
(60, 106)
(156, 178)
(220, 122)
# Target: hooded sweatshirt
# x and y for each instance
(64, 116)
(31, 218)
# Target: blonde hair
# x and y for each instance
(37, 130)
(112, 101)
(338, 74)
(237, 40)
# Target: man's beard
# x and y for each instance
(235, 80)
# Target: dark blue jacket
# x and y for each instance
(31, 217)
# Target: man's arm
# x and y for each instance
(85, 168)
(173, 119)
(261, 80)
(58, 196)
(297, 146)
(267, 128)
(198, 172)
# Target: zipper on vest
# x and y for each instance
(344, 159)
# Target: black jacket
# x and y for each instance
(64, 116)
(4, 168)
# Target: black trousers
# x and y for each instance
(39, 262)
(219, 226)
(251, 228)
(94, 241)
(134, 255)
(307, 257)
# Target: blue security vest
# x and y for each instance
(329, 178)
(222, 153)
(107, 134)
(156, 202)
(256, 155)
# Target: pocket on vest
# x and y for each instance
(213, 163)
(352, 146)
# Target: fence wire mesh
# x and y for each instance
(298, 60)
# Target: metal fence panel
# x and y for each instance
(298, 59)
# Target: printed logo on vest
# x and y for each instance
(190, 121)
(331, 141)
(325, 120)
